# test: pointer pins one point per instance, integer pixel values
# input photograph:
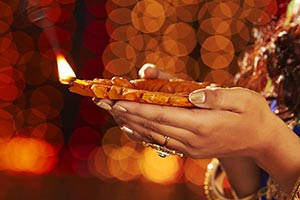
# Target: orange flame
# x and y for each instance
(65, 71)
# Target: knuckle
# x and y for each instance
(204, 129)
(147, 124)
(218, 98)
(160, 117)
(149, 136)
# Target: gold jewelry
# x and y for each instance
(212, 189)
(296, 191)
(167, 138)
(162, 150)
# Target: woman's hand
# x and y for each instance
(231, 122)
(230, 125)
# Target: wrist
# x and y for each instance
(278, 155)
(243, 174)
(216, 186)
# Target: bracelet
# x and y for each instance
(274, 191)
(211, 189)
(213, 192)
(296, 191)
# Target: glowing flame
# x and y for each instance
(65, 72)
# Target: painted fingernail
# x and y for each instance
(119, 108)
(127, 130)
(144, 68)
(101, 104)
(197, 97)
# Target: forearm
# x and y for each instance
(243, 175)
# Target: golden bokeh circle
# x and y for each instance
(148, 16)
(217, 52)
(179, 39)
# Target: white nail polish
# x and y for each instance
(119, 108)
(105, 106)
(143, 69)
(197, 97)
(102, 104)
(127, 130)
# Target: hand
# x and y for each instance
(235, 122)
(232, 122)
(147, 71)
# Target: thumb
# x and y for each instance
(232, 99)
(151, 71)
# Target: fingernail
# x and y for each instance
(127, 130)
(101, 104)
(119, 108)
(144, 68)
(212, 86)
(197, 97)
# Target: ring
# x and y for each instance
(162, 150)
(167, 138)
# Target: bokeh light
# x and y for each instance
(162, 32)
(46, 130)
(28, 155)
(83, 141)
(179, 43)
(11, 84)
(147, 16)
(160, 170)
(217, 52)
(30, 126)
(194, 170)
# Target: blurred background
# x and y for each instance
(59, 145)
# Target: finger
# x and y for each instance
(150, 136)
(233, 99)
(184, 118)
(105, 104)
(133, 135)
(138, 133)
(161, 114)
(181, 139)
(151, 71)
(152, 127)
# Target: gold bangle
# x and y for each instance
(296, 191)
(210, 187)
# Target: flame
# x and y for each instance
(65, 72)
